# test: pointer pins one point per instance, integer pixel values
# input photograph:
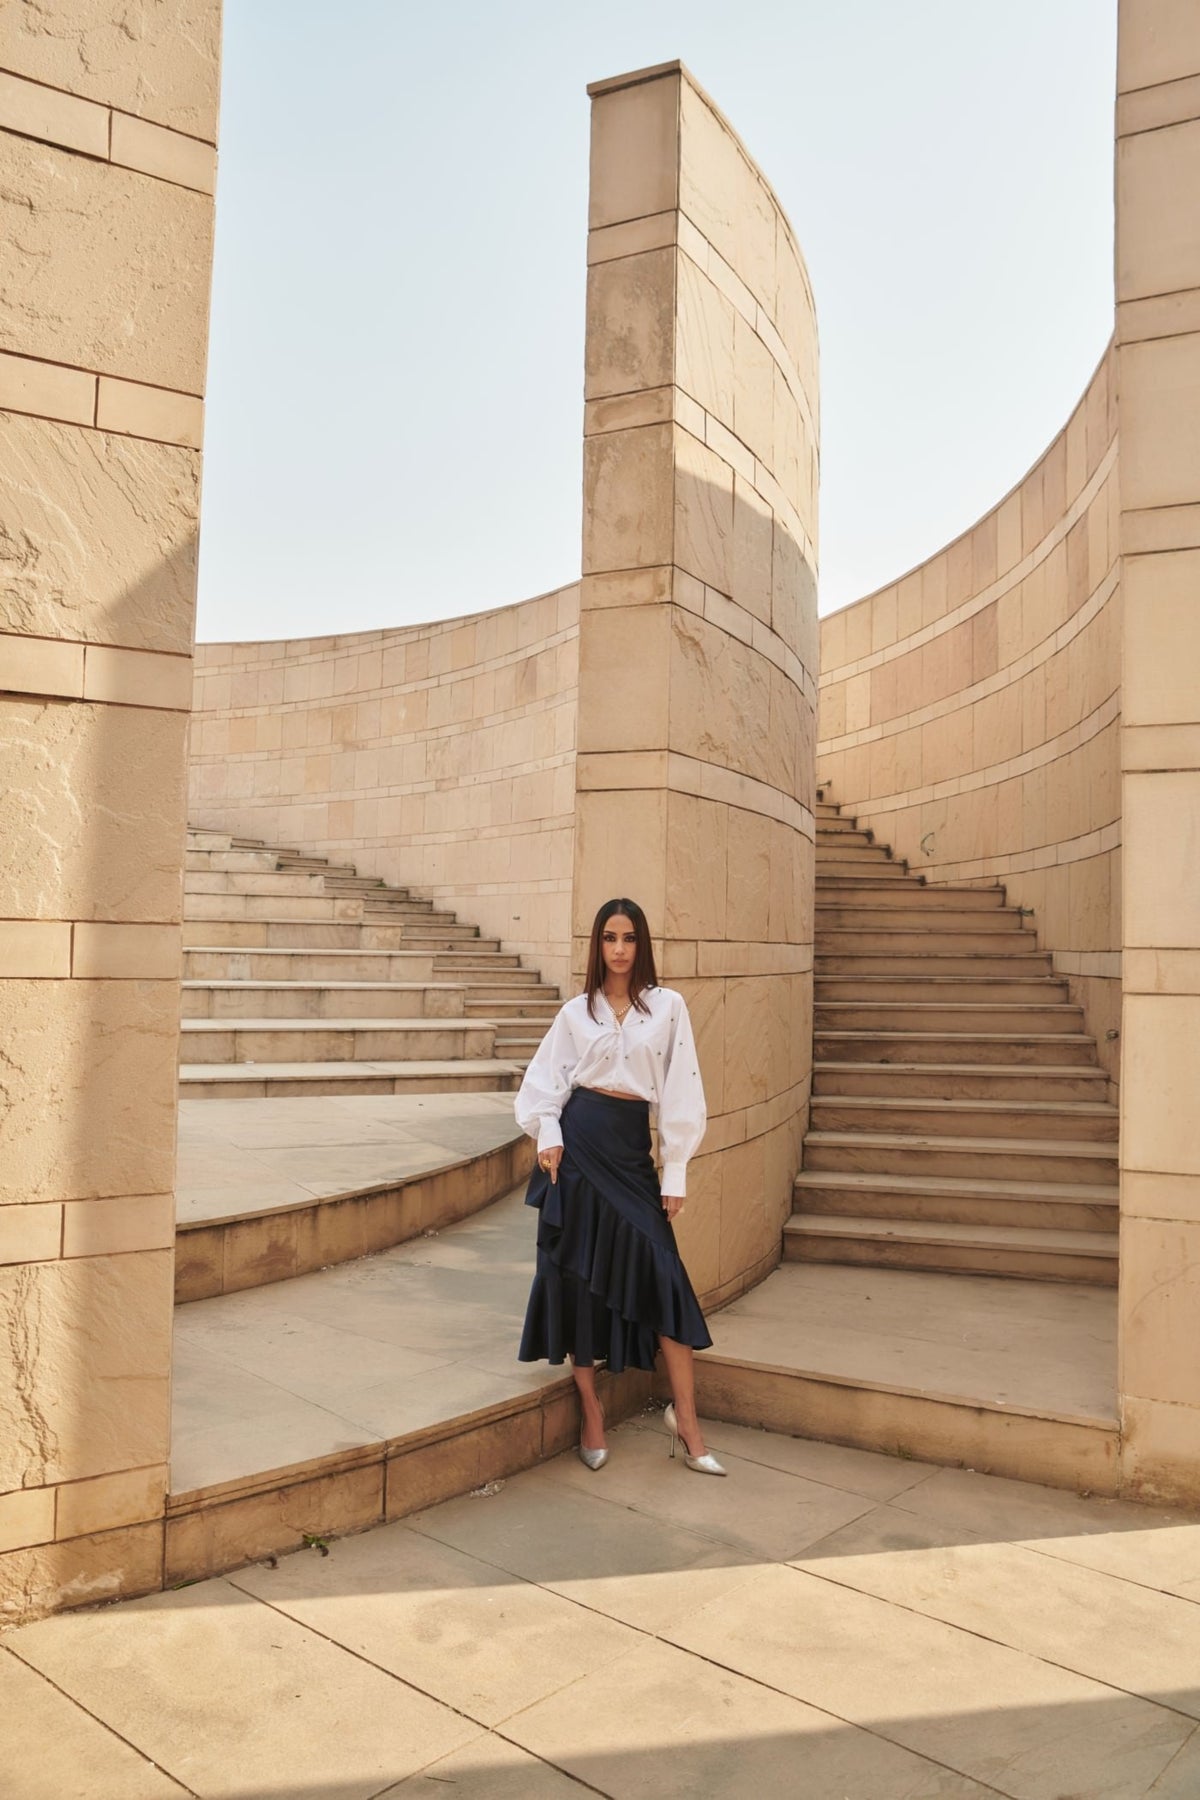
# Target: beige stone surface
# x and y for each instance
(91, 1088)
(957, 1635)
(86, 1367)
(172, 157)
(106, 843)
(1162, 1057)
(1158, 42)
(149, 412)
(688, 1726)
(635, 153)
(85, 1571)
(629, 339)
(26, 1517)
(43, 388)
(109, 268)
(54, 1746)
(1126, 1636)
(1003, 1716)
(39, 112)
(1160, 434)
(172, 76)
(129, 1498)
(102, 543)
(426, 1613)
(628, 499)
(147, 1670)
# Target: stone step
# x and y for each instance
(208, 840)
(1075, 1121)
(832, 832)
(490, 1007)
(994, 1159)
(228, 963)
(319, 908)
(914, 1015)
(250, 843)
(1035, 964)
(492, 966)
(323, 1000)
(853, 1194)
(291, 1081)
(1004, 1377)
(333, 1040)
(1010, 1250)
(960, 1081)
(920, 942)
(233, 862)
(913, 897)
(288, 881)
(870, 865)
(930, 921)
(287, 933)
(883, 1048)
(964, 989)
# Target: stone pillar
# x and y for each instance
(697, 678)
(1158, 339)
(107, 134)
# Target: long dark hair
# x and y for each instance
(644, 974)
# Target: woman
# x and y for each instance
(609, 1283)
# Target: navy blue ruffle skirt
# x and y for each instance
(609, 1280)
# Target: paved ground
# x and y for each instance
(244, 1156)
(827, 1624)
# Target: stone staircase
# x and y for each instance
(960, 1119)
(302, 977)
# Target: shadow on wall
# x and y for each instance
(92, 805)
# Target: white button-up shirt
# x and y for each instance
(652, 1054)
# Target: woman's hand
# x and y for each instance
(672, 1204)
(549, 1160)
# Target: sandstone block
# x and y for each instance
(109, 270)
(99, 540)
(86, 1363)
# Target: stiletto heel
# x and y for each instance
(594, 1459)
(703, 1465)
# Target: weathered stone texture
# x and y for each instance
(157, 59)
(97, 536)
(85, 1364)
(87, 1088)
(104, 268)
(96, 797)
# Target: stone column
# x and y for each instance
(107, 134)
(1158, 338)
(698, 628)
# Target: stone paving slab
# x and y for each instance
(237, 1157)
(642, 1631)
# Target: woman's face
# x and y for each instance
(618, 943)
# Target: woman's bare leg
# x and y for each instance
(681, 1375)
(592, 1435)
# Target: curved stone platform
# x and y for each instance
(268, 1190)
(328, 1403)
(333, 1401)
(1007, 1377)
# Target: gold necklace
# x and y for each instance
(618, 1016)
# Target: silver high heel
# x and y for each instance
(703, 1465)
(594, 1459)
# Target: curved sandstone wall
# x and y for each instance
(970, 712)
(698, 629)
(440, 757)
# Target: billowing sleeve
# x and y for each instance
(543, 1093)
(682, 1115)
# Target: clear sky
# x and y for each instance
(396, 369)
